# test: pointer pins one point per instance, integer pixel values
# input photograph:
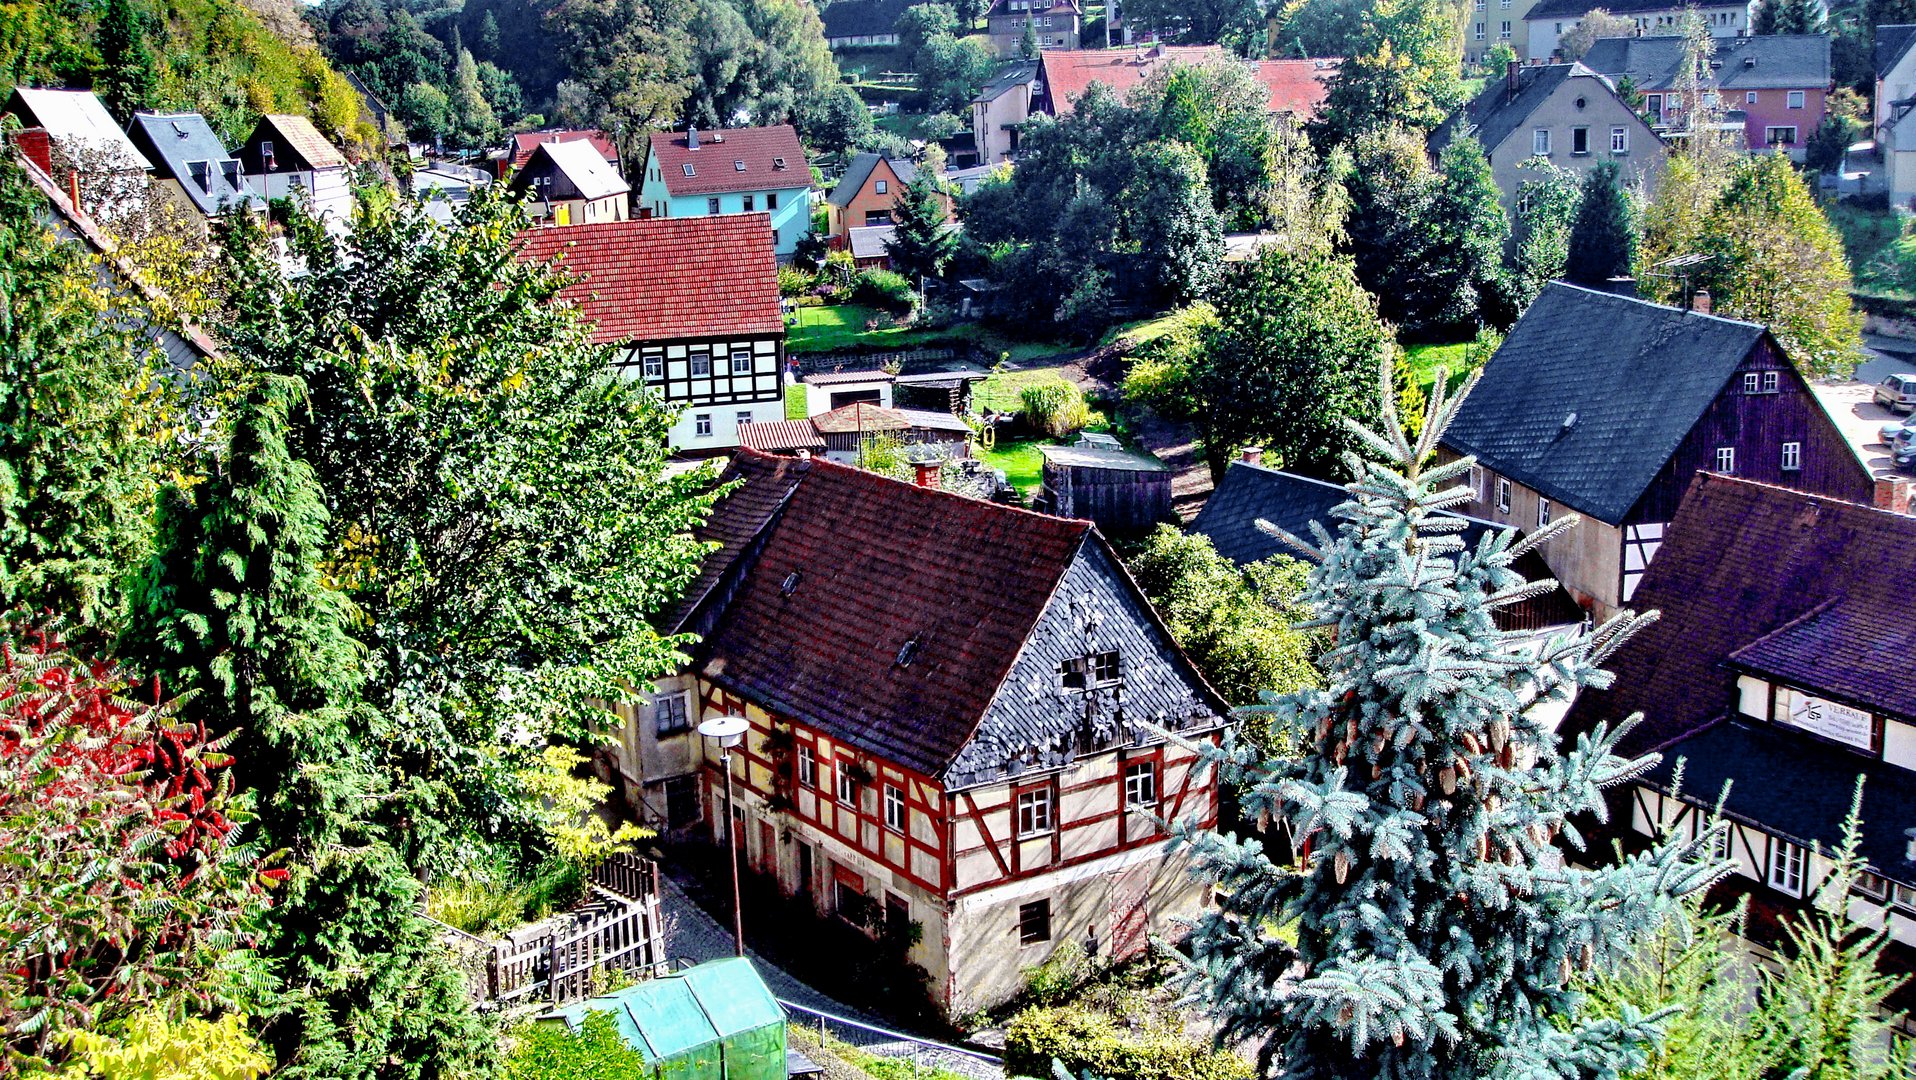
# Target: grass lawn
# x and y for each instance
(1004, 391)
(842, 326)
(1142, 330)
(795, 401)
(1867, 235)
(1426, 359)
(1023, 465)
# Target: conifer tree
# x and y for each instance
(1438, 926)
(922, 241)
(1603, 241)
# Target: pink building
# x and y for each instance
(1774, 85)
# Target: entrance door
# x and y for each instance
(768, 848)
(805, 871)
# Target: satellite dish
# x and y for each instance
(728, 730)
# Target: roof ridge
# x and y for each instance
(1672, 308)
(1069, 526)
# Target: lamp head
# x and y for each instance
(727, 731)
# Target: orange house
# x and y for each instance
(868, 191)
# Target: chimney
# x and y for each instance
(1892, 493)
(927, 474)
(1251, 455)
(1513, 76)
(1700, 303)
(73, 188)
(36, 146)
(691, 137)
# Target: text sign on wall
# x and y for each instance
(1852, 727)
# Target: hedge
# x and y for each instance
(1084, 1040)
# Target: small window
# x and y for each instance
(1873, 886)
(1772, 380)
(1480, 27)
(742, 417)
(1034, 812)
(670, 715)
(702, 425)
(1579, 140)
(1503, 31)
(1752, 382)
(1503, 495)
(1619, 140)
(1071, 673)
(894, 808)
(1792, 456)
(266, 151)
(1034, 922)
(654, 366)
(1540, 142)
(1795, 100)
(701, 364)
(1726, 459)
(1749, 97)
(747, 204)
(897, 914)
(1543, 512)
(1787, 862)
(741, 360)
(1475, 478)
(847, 784)
(807, 766)
(881, 187)
(1780, 136)
(1141, 784)
(738, 165)
(771, 200)
(1104, 668)
(689, 170)
(849, 898)
(712, 205)
(1902, 896)
(778, 163)
(681, 801)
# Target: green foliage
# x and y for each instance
(1787, 17)
(155, 1046)
(887, 290)
(567, 806)
(1403, 70)
(767, 61)
(1472, 233)
(1282, 360)
(950, 68)
(630, 64)
(1548, 206)
(1260, 169)
(1237, 625)
(495, 895)
(85, 420)
(1603, 241)
(1774, 259)
(1438, 924)
(1054, 406)
(1081, 1040)
(1593, 27)
(552, 1051)
(1058, 976)
(1237, 23)
(922, 242)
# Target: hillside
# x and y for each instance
(224, 59)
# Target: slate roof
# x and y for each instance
(859, 169)
(1755, 576)
(76, 117)
(881, 563)
(302, 137)
(579, 162)
(1495, 113)
(764, 482)
(1011, 73)
(735, 159)
(655, 279)
(174, 142)
(1576, 9)
(525, 142)
(862, 18)
(1892, 42)
(1781, 61)
(780, 435)
(1635, 376)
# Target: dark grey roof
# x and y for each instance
(1634, 375)
(1767, 62)
(1012, 73)
(862, 18)
(1291, 502)
(1891, 43)
(183, 147)
(860, 169)
(1494, 114)
(1576, 9)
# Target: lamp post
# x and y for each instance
(729, 731)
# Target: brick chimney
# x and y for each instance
(36, 146)
(1700, 303)
(1892, 493)
(1252, 455)
(925, 474)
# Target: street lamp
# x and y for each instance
(729, 731)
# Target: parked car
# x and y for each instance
(1893, 430)
(1897, 393)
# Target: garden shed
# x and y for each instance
(716, 1021)
(1120, 490)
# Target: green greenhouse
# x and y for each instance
(716, 1021)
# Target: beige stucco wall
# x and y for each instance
(1641, 165)
(1586, 560)
(989, 119)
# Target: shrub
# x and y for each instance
(1082, 1040)
(886, 291)
(1051, 982)
(795, 281)
(1057, 408)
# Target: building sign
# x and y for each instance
(1852, 727)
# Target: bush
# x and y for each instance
(1051, 982)
(886, 291)
(1082, 1040)
(795, 281)
(1055, 408)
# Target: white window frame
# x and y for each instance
(1752, 382)
(1797, 99)
(653, 366)
(1475, 478)
(894, 808)
(702, 424)
(1619, 140)
(1503, 28)
(1540, 142)
(1792, 457)
(1543, 512)
(1872, 886)
(1788, 867)
(807, 766)
(692, 363)
(1726, 460)
(742, 417)
(1037, 812)
(1140, 785)
(1902, 896)
(881, 187)
(1772, 381)
(712, 204)
(1480, 31)
(846, 784)
(741, 359)
(1503, 495)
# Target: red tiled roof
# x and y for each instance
(765, 482)
(780, 435)
(857, 566)
(716, 162)
(525, 142)
(1296, 86)
(659, 278)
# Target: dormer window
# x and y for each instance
(778, 163)
(202, 173)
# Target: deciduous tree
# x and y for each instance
(1404, 70)
(1547, 203)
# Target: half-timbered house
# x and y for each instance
(1606, 406)
(956, 715)
(1780, 670)
(691, 305)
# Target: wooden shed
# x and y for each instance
(1121, 491)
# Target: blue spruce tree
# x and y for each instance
(1438, 920)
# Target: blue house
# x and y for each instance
(740, 171)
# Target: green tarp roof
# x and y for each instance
(672, 1017)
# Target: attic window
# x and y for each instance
(906, 653)
(688, 169)
(789, 585)
(739, 165)
(778, 163)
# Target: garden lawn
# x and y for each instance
(1021, 462)
(1003, 391)
(1424, 360)
(795, 401)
